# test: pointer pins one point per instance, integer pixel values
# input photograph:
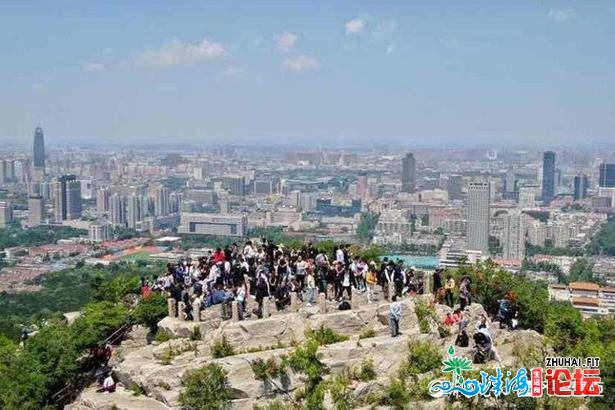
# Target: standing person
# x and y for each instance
(345, 282)
(241, 295)
(437, 279)
(311, 287)
(448, 288)
(300, 271)
(361, 270)
(322, 272)
(464, 292)
(394, 317)
(371, 281)
(387, 277)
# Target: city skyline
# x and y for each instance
(404, 74)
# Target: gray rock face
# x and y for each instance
(159, 369)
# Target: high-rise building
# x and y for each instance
(581, 183)
(513, 236)
(99, 232)
(362, 187)
(606, 179)
(294, 198)
(102, 201)
(36, 210)
(133, 211)
(39, 149)
(478, 217)
(408, 173)
(236, 185)
(6, 214)
(548, 176)
(117, 210)
(527, 196)
(161, 203)
(454, 187)
(67, 198)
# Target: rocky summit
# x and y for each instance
(150, 374)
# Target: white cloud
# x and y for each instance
(560, 15)
(233, 71)
(356, 25)
(391, 48)
(90, 67)
(175, 52)
(285, 41)
(300, 63)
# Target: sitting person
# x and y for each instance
(462, 339)
(216, 296)
(108, 384)
(282, 296)
(449, 320)
(484, 349)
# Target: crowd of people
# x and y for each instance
(266, 270)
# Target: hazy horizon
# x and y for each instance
(403, 74)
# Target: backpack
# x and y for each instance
(479, 357)
(344, 305)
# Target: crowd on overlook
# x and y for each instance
(272, 271)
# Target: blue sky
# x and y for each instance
(407, 72)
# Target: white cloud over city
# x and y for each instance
(300, 63)
(285, 42)
(175, 52)
(561, 15)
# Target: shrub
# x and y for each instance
(163, 335)
(395, 394)
(196, 334)
(366, 371)
(150, 311)
(205, 388)
(367, 333)
(264, 370)
(173, 351)
(325, 335)
(222, 348)
(423, 358)
(341, 393)
(423, 313)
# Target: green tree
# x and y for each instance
(366, 227)
(150, 311)
(206, 388)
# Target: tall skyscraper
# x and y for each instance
(39, 149)
(133, 211)
(362, 187)
(606, 178)
(581, 183)
(408, 173)
(513, 238)
(36, 210)
(548, 176)
(102, 201)
(6, 214)
(67, 198)
(117, 210)
(454, 187)
(478, 217)
(161, 204)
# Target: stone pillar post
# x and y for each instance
(235, 311)
(427, 283)
(196, 311)
(172, 307)
(391, 288)
(266, 311)
(322, 303)
(294, 302)
(181, 307)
